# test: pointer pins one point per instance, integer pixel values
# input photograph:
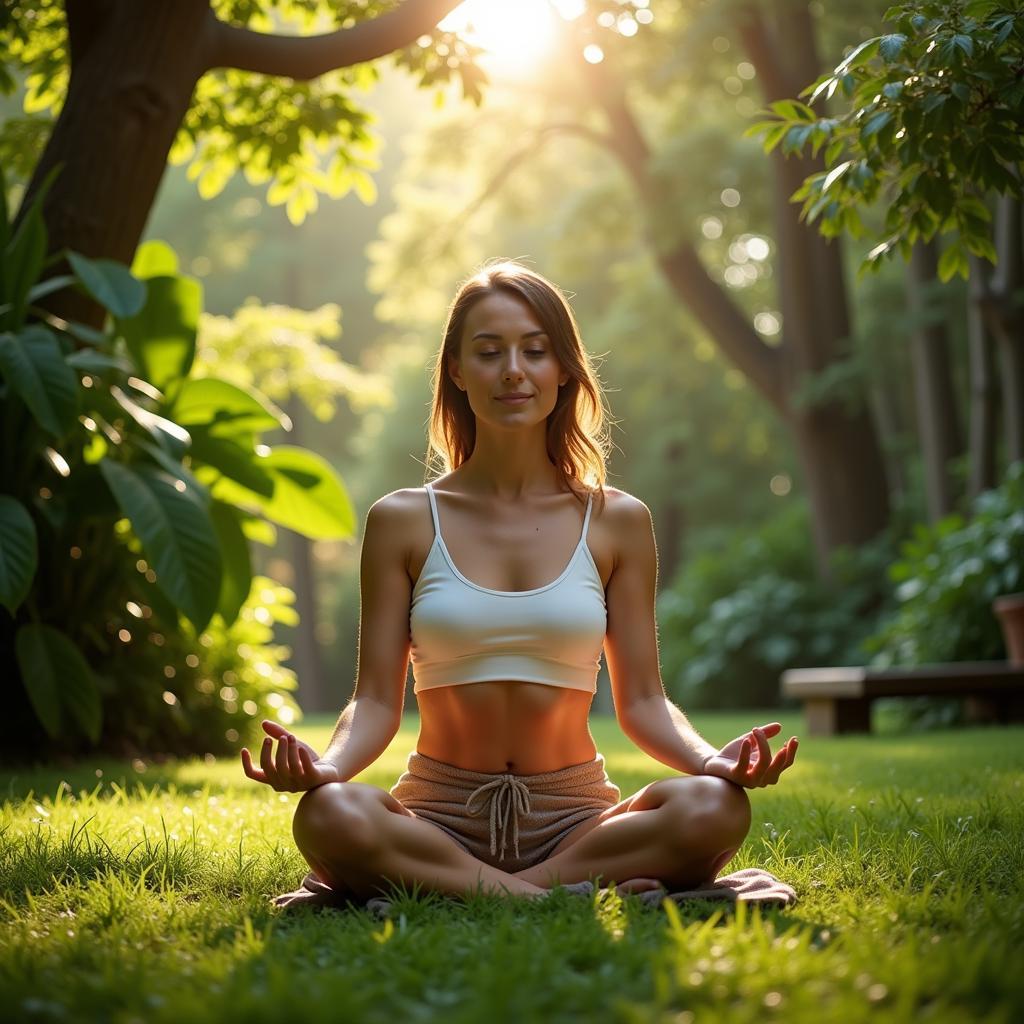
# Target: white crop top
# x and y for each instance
(464, 633)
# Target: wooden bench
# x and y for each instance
(839, 700)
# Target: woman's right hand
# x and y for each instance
(296, 766)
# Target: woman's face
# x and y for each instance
(505, 350)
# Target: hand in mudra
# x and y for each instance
(747, 760)
(296, 766)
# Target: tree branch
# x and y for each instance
(306, 57)
(85, 19)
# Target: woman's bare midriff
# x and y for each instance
(508, 726)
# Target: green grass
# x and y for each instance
(139, 893)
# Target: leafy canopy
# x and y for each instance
(932, 124)
(301, 139)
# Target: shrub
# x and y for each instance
(946, 580)
(736, 616)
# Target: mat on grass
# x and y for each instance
(749, 885)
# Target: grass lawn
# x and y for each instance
(139, 893)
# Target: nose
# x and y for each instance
(512, 369)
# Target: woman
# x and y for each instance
(506, 790)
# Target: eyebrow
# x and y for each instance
(498, 337)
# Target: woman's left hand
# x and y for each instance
(747, 760)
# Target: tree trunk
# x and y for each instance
(938, 418)
(1007, 322)
(134, 68)
(984, 394)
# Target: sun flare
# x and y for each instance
(516, 36)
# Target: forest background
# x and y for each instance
(780, 496)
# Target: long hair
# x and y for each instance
(577, 432)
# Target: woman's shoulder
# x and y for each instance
(399, 507)
(622, 509)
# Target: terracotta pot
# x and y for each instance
(1009, 609)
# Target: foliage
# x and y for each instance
(932, 125)
(141, 892)
(947, 578)
(130, 484)
(736, 616)
(301, 139)
(201, 693)
(283, 353)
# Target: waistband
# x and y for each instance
(504, 794)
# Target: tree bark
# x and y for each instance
(984, 393)
(938, 418)
(1006, 321)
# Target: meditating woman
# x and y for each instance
(503, 579)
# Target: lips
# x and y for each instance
(514, 399)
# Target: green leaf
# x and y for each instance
(891, 46)
(876, 123)
(231, 459)
(177, 536)
(56, 676)
(19, 553)
(226, 409)
(174, 439)
(948, 262)
(34, 367)
(155, 259)
(309, 497)
(858, 56)
(109, 283)
(22, 265)
(237, 579)
(49, 286)
(162, 336)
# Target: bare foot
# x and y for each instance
(634, 885)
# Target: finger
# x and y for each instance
(764, 754)
(294, 764)
(743, 760)
(772, 728)
(248, 768)
(777, 767)
(281, 758)
(274, 729)
(267, 762)
(793, 744)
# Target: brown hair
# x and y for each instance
(577, 433)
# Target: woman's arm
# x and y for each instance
(645, 714)
(370, 720)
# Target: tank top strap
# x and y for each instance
(433, 509)
(586, 518)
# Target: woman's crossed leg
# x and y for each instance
(680, 831)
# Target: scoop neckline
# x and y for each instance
(439, 542)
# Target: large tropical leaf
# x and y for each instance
(56, 676)
(177, 536)
(110, 283)
(34, 367)
(225, 409)
(18, 552)
(234, 548)
(232, 460)
(308, 497)
(162, 336)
